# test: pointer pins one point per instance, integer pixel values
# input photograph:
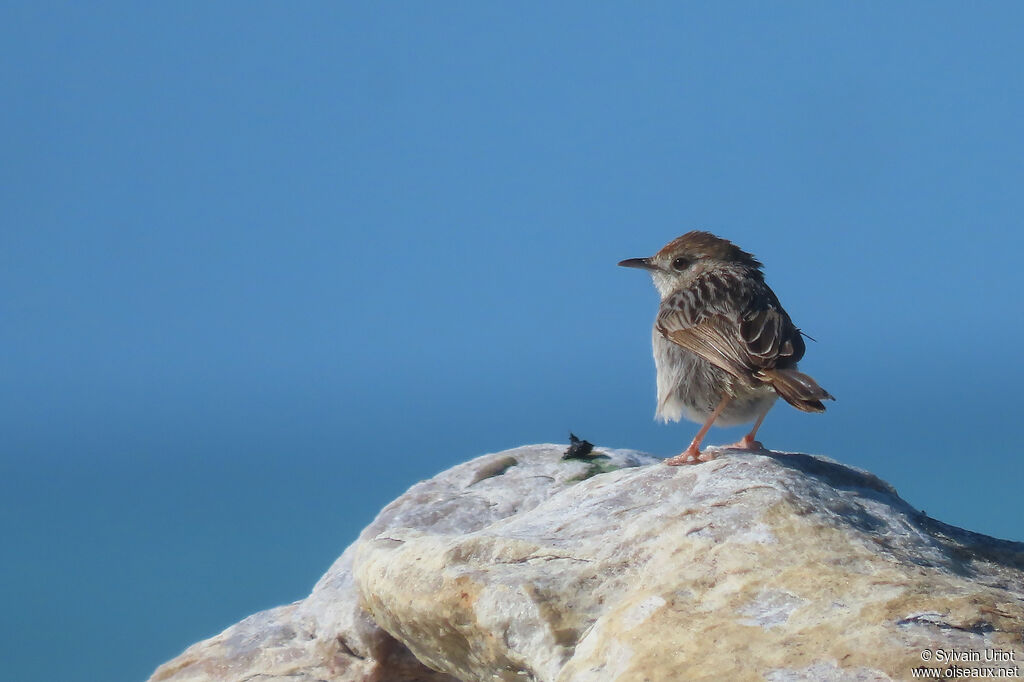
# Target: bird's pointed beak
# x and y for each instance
(642, 263)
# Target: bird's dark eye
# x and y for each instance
(680, 264)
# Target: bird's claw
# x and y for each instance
(690, 456)
(746, 444)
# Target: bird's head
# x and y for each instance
(683, 258)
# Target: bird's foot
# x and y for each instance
(692, 455)
(746, 443)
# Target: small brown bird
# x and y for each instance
(723, 346)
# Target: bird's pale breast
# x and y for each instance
(689, 386)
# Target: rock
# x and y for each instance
(323, 637)
(522, 566)
(328, 636)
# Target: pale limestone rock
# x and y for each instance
(327, 636)
(752, 566)
(324, 637)
(522, 566)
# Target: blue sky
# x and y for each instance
(266, 265)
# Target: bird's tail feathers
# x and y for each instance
(797, 389)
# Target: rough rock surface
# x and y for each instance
(327, 636)
(520, 566)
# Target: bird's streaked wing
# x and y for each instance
(735, 325)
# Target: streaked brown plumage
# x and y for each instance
(723, 345)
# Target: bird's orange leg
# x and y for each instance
(748, 442)
(692, 454)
